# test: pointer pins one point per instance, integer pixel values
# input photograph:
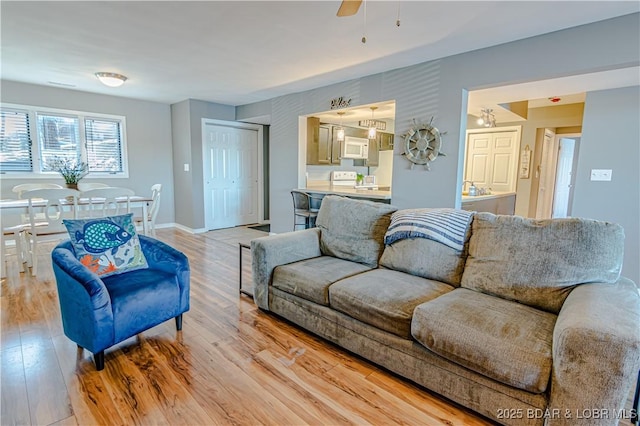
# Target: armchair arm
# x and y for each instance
(269, 252)
(163, 257)
(85, 303)
(596, 352)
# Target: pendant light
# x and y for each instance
(372, 128)
(487, 118)
(340, 130)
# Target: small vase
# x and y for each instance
(71, 186)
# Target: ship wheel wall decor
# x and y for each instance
(422, 144)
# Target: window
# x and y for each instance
(15, 141)
(104, 145)
(96, 139)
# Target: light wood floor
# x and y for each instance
(231, 363)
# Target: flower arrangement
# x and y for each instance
(70, 169)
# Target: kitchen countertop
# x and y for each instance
(493, 195)
(348, 191)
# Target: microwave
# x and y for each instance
(353, 147)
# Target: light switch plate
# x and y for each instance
(186, 167)
(601, 174)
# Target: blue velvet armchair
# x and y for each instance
(99, 312)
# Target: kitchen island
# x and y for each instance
(317, 192)
(496, 203)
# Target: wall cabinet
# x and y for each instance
(385, 141)
(323, 147)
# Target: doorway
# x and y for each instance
(557, 171)
(565, 175)
(232, 171)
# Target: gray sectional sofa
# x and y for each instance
(530, 323)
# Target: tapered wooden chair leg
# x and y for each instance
(179, 322)
(99, 360)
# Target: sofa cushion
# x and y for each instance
(353, 229)
(538, 262)
(384, 298)
(133, 291)
(425, 258)
(498, 338)
(311, 278)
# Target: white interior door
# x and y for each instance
(478, 167)
(230, 176)
(564, 177)
(504, 159)
(547, 175)
(491, 159)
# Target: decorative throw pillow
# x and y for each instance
(107, 245)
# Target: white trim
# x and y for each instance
(190, 230)
(260, 160)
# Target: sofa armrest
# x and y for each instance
(596, 353)
(269, 252)
(85, 303)
(163, 257)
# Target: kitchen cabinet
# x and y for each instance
(385, 141)
(322, 146)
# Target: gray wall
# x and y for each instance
(611, 140)
(187, 145)
(439, 89)
(148, 127)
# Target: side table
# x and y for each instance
(242, 246)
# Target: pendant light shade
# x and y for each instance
(340, 130)
(111, 79)
(373, 131)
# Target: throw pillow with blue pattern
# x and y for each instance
(108, 245)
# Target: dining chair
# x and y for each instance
(153, 209)
(302, 209)
(11, 239)
(110, 201)
(54, 205)
(86, 186)
(23, 187)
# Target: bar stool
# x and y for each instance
(302, 209)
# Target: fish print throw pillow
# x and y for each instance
(108, 245)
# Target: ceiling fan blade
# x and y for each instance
(349, 7)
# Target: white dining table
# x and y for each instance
(135, 201)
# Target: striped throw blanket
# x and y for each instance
(446, 226)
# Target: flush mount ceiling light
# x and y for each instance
(487, 119)
(111, 79)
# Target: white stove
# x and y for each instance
(346, 178)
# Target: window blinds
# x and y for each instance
(15, 141)
(104, 145)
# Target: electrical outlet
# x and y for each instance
(601, 174)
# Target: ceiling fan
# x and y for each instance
(349, 7)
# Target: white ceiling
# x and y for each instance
(238, 52)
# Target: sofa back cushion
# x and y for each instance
(538, 262)
(425, 258)
(352, 229)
